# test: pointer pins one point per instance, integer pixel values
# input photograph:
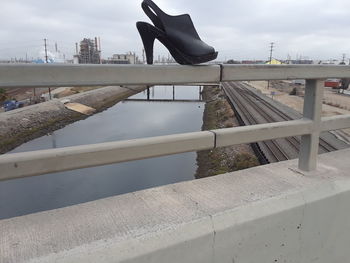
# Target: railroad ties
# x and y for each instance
(252, 107)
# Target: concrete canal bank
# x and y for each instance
(24, 124)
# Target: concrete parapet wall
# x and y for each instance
(272, 213)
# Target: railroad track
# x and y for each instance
(252, 109)
(325, 146)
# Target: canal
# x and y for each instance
(126, 120)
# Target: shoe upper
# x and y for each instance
(179, 29)
(183, 35)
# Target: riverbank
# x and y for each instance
(25, 124)
(218, 114)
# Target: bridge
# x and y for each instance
(173, 99)
(163, 100)
(292, 211)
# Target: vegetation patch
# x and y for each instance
(3, 95)
(218, 114)
(244, 161)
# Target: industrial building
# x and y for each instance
(128, 58)
(89, 53)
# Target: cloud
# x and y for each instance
(238, 29)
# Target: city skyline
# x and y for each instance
(315, 29)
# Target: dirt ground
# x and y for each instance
(218, 114)
(25, 93)
(30, 94)
(333, 102)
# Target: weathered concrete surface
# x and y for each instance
(271, 213)
(24, 124)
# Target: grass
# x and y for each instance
(3, 95)
(217, 114)
(244, 161)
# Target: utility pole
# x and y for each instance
(270, 60)
(47, 61)
(100, 49)
(45, 45)
(343, 60)
(271, 50)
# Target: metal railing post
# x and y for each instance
(312, 110)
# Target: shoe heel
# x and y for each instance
(148, 36)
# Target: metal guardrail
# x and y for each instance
(15, 75)
(47, 161)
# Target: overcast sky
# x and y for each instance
(238, 29)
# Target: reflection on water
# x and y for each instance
(171, 93)
(126, 120)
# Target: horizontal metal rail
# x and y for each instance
(17, 165)
(103, 75)
(68, 158)
(48, 161)
(340, 121)
(283, 72)
(106, 75)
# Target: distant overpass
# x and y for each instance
(164, 100)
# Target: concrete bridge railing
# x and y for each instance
(47, 161)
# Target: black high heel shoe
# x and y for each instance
(176, 33)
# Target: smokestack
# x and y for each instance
(99, 46)
(76, 48)
(96, 44)
(56, 47)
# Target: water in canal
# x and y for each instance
(126, 120)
